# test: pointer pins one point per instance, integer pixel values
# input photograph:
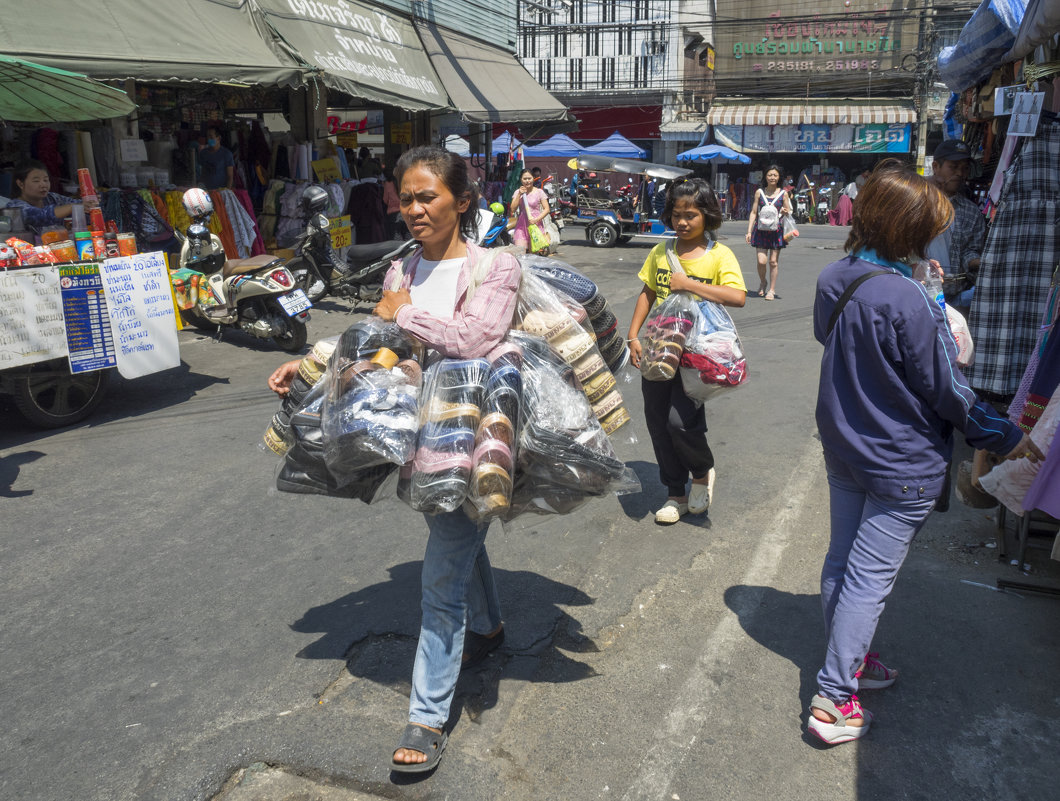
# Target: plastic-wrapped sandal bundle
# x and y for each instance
(663, 337)
(304, 470)
(370, 410)
(493, 458)
(566, 279)
(564, 456)
(437, 478)
(278, 436)
(713, 358)
(540, 312)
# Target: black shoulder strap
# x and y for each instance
(861, 279)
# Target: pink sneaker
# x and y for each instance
(851, 721)
(874, 675)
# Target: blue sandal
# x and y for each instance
(424, 740)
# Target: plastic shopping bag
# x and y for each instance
(962, 336)
(663, 337)
(713, 358)
(539, 240)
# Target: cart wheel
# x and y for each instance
(603, 234)
(49, 396)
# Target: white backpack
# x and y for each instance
(768, 215)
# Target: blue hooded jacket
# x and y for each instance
(890, 393)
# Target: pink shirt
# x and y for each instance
(477, 326)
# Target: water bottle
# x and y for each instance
(931, 277)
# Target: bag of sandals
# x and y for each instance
(564, 456)
(712, 359)
(369, 414)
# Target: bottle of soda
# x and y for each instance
(931, 277)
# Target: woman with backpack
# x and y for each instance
(765, 232)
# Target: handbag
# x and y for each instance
(539, 240)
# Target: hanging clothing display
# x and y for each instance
(1022, 248)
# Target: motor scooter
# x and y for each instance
(824, 203)
(319, 274)
(801, 212)
(256, 295)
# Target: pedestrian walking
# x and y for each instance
(461, 621)
(676, 423)
(531, 205)
(889, 399)
(765, 231)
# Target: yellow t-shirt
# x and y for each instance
(717, 266)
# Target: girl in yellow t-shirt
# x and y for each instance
(676, 423)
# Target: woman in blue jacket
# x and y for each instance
(890, 397)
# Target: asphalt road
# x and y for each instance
(171, 621)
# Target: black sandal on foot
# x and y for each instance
(424, 740)
(478, 646)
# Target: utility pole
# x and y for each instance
(924, 71)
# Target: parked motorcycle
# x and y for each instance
(801, 212)
(318, 273)
(256, 295)
(824, 197)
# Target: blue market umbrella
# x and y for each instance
(31, 92)
(714, 152)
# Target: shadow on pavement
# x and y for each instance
(375, 630)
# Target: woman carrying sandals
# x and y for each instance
(765, 229)
(461, 621)
(889, 400)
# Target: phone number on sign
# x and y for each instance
(833, 66)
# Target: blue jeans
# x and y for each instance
(871, 536)
(458, 589)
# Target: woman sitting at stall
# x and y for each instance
(40, 206)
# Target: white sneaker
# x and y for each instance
(700, 496)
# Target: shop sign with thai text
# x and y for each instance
(881, 138)
(831, 42)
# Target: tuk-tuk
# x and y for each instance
(610, 220)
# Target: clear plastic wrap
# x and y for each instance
(713, 358)
(602, 320)
(436, 480)
(664, 334)
(493, 458)
(304, 471)
(370, 405)
(564, 455)
(278, 436)
(541, 312)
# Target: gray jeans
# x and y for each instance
(871, 536)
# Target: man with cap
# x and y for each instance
(957, 249)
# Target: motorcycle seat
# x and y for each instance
(365, 254)
(252, 265)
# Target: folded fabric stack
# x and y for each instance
(436, 480)
(713, 358)
(541, 312)
(564, 455)
(665, 333)
(585, 292)
(493, 458)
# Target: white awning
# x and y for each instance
(682, 130)
(840, 113)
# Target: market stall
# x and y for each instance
(1003, 70)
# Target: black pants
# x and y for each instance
(678, 429)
